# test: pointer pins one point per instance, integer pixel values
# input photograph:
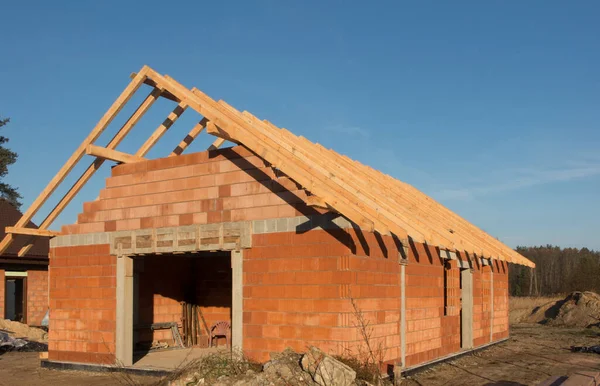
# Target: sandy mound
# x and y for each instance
(20, 330)
(578, 309)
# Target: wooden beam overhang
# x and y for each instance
(31, 232)
(112, 155)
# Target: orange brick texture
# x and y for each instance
(82, 304)
(37, 296)
(500, 322)
(298, 286)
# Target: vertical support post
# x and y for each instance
(467, 308)
(491, 301)
(124, 333)
(403, 314)
(237, 300)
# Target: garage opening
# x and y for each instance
(15, 296)
(180, 302)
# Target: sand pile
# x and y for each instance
(578, 309)
(20, 330)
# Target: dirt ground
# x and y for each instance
(23, 368)
(533, 353)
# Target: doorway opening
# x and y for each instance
(177, 299)
(15, 297)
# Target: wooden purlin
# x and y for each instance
(435, 222)
(94, 166)
(485, 249)
(77, 155)
(435, 212)
(266, 148)
(506, 252)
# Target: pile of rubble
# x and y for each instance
(287, 368)
(21, 330)
(578, 309)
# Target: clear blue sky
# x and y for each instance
(491, 107)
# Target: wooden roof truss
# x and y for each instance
(369, 198)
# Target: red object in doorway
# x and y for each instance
(221, 329)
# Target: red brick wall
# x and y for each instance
(2, 289)
(500, 322)
(297, 286)
(37, 296)
(429, 333)
(82, 304)
(481, 305)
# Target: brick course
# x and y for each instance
(82, 304)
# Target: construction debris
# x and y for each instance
(8, 343)
(588, 349)
(20, 330)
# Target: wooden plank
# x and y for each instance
(196, 130)
(112, 155)
(31, 232)
(162, 129)
(89, 172)
(114, 109)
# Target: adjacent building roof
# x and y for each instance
(9, 215)
(371, 199)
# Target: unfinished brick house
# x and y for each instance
(282, 238)
(23, 278)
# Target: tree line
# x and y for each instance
(558, 270)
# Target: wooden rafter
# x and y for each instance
(112, 155)
(31, 232)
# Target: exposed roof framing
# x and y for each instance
(371, 199)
